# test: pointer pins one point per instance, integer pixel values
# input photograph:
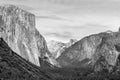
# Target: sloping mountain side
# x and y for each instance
(14, 67)
(17, 28)
(57, 47)
(99, 51)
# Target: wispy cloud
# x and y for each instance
(61, 35)
(65, 19)
(26, 7)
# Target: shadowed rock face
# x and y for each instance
(17, 28)
(91, 50)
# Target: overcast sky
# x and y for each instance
(66, 19)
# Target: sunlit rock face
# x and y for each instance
(90, 50)
(57, 47)
(17, 28)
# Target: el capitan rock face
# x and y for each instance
(92, 51)
(17, 28)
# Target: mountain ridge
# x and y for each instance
(92, 47)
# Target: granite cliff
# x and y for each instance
(99, 51)
(14, 67)
(17, 28)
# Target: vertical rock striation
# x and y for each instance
(17, 28)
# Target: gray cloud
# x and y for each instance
(26, 7)
(71, 18)
(60, 35)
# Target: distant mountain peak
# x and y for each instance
(57, 47)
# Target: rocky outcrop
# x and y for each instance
(14, 67)
(17, 28)
(96, 50)
(57, 47)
